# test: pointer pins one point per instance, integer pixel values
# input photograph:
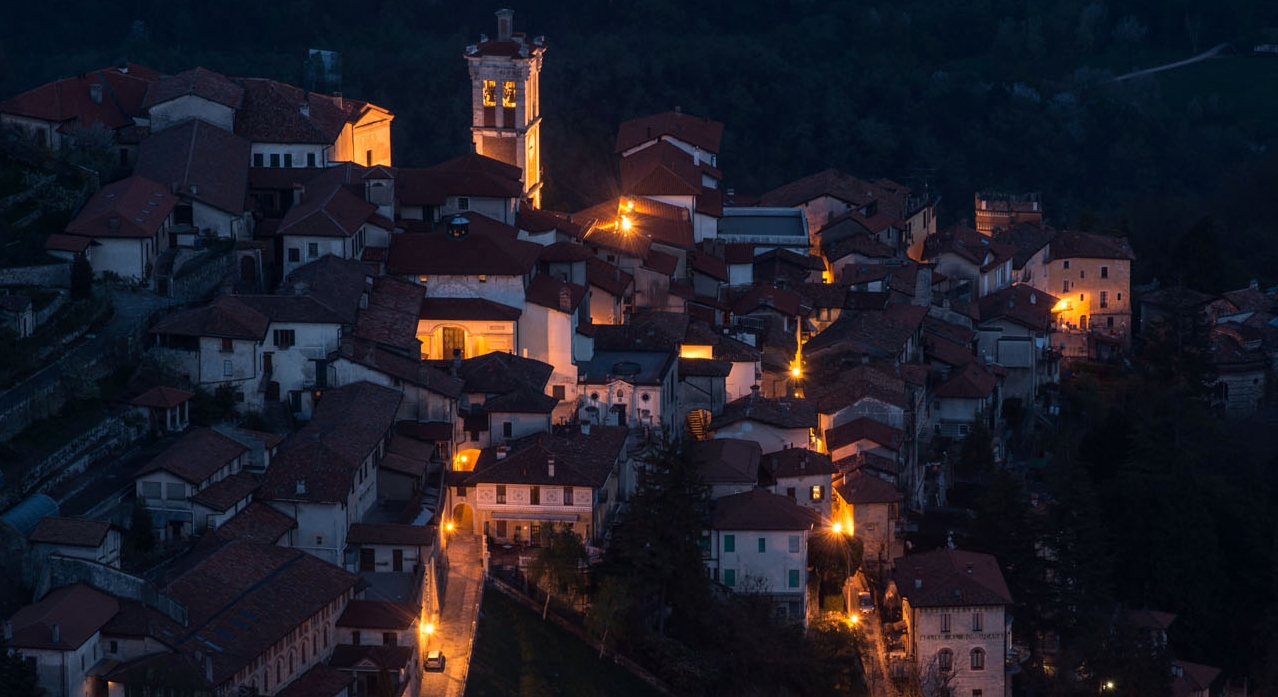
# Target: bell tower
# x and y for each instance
(505, 76)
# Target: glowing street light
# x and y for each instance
(837, 528)
(626, 224)
(450, 526)
(853, 620)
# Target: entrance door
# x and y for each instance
(367, 559)
(268, 363)
(453, 342)
(248, 270)
(397, 560)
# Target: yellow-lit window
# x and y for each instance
(508, 95)
(490, 93)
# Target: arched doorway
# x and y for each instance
(464, 517)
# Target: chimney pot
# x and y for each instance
(550, 467)
(301, 487)
(918, 583)
(57, 633)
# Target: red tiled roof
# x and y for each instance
(862, 245)
(1194, 678)
(761, 510)
(855, 384)
(738, 253)
(318, 462)
(579, 459)
(275, 112)
(226, 317)
(58, 242)
(322, 680)
(727, 460)
(942, 349)
(546, 291)
(335, 283)
(498, 373)
(1027, 238)
(78, 611)
(1071, 244)
(565, 252)
(1020, 303)
(74, 532)
(608, 277)
(536, 220)
(782, 300)
(698, 131)
(162, 398)
(223, 495)
(207, 163)
(132, 207)
(709, 265)
(796, 462)
(524, 400)
(489, 248)
(864, 428)
(830, 182)
(330, 212)
(468, 175)
(196, 456)
(391, 317)
(662, 263)
(972, 382)
(243, 598)
(783, 413)
(378, 614)
(390, 534)
(968, 244)
(657, 221)
(660, 170)
(200, 82)
(861, 487)
(259, 523)
(71, 99)
(704, 367)
(951, 578)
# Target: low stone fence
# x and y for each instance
(47, 275)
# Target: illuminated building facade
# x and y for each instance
(505, 76)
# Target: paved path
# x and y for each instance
(1168, 66)
(455, 634)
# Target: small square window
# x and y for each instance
(310, 159)
(1065, 264)
(818, 492)
(227, 369)
(463, 203)
(793, 578)
(312, 249)
(288, 159)
(259, 160)
(294, 254)
(275, 159)
(227, 346)
(794, 544)
(729, 543)
(763, 544)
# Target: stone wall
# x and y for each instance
(47, 275)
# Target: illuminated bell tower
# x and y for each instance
(505, 76)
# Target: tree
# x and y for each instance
(557, 566)
(81, 277)
(834, 557)
(18, 677)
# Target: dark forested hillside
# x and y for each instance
(952, 96)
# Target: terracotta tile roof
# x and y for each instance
(857, 383)
(258, 523)
(1026, 238)
(517, 46)
(282, 178)
(489, 248)
(579, 459)
(651, 219)
(861, 487)
(537, 220)
(738, 253)
(608, 277)
(647, 331)
(736, 351)
(391, 317)
(498, 373)
(467, 308)
(329, 212)
(565, 252)
(133, 207)
(378, 614)
(78, 611)
(704, 367)
(429, 431)
(1151, 619)
(58, 242)
(195, 456)
(136, 620)
(862, 245)
(709, 201)
(1194, 678)
(468, 175)
(199, 82)
(783, 263)
(223, 495)
(70, 100)
(940, 348)
(404, 465)
(390, 534)
(322, 680)
(796, 462)
(760, 510)
(1250, 300)
(275, 112)
(319, 461)
(549, 292)
(208, 164)
(336, 283)
(972, 382)
(710, 265)
(662, 263)
(75, 532)
(162, 398)
(727, 460)
(226, 317)
(864, 428)
(696, 130)
(830, 295)
(301, 309)
(371, 657)
(243, 598)
(878, 334)
(830, 182)
(976, 248)
(869, 462)
(660, 170)
(951, 578)
(1020, 303)
(524, 400)
(1071, 244)
(762, 296)
(783, 413)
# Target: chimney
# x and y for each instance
(505, 24)
(501, 452)
(8, 631)
(114, 223)
(57, 633)
(301, 487)
(1253, 284)
(95, 92)
(565, 298)
(338, 95)
(195, 191)
(969, 569)
(585, 428)
(550, 467)
(918, 584)
(305, 109)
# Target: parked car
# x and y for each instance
(865, 602)
(434, 660)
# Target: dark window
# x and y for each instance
(793, 580)
(1082, 273)
(389, 639)
(1065, 264)
(501, 495)
(275, 159)
(285, 338)
(976, 622)
(463, 203)
(310, 159)
(367, 559)
(729, 543)
(557, 391)
(183, 214)
(288, 159)
(368, 158)
(259, 160)
(124, 157)
(461, 491)
(355, 637)
(978, 659)
(945, 660)
(536, 496)
(945, 622)
(312, 249)
(507, 429)
(729, 577)
(763, 544)
(1104, 272)
(790, 492)
(567, 496)
(294, 254)
(226, 345)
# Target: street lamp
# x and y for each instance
(450, 526)
(428, 629)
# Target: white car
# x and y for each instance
(434, 660)
(865, 602)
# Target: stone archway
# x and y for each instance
(464, 517)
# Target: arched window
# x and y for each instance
(266, 679)
(326, 637)
(303, 652)
(945, 660)
(279, 670)
(291, 656)
(978, 659)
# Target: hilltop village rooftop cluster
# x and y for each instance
(434, 355)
